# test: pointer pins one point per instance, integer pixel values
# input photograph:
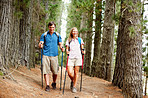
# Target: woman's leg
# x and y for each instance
(70, 72)
(76, 72)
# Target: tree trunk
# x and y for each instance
(97, 38)
(15, 36)
(87, 68)
(8, 34)
(128, 69)
(25, 34)
(107, 47)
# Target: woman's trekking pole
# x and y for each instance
(82, 70)
(65, 74)
(61, 71)
(42, 66)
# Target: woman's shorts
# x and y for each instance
(74, 62)
(50, 64)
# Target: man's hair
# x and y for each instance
(51, 23)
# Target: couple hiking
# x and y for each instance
(49, 42)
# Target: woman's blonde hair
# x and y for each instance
(70, 35)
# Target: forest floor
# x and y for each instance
(28, 85)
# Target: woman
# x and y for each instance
(74, 47)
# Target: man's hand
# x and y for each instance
(62, 49)
(41, 44)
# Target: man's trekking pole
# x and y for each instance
(82, 70)
(65, 74)
(42, 66)
(61, 71)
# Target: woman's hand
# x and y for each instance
(67, 52)
(83, 51)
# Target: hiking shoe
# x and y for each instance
(74, 90)
(47, 88)
(71, 85)
(53, 85)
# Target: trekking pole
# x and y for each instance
(61, 71)
(81, 70)
(42, 66)
(65, 74)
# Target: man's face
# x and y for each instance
(51, 28)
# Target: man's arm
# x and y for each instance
(61, 47)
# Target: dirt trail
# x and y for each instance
(28, 85)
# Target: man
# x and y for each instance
(50, 40)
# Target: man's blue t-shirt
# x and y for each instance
(50, 43)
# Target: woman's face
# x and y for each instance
(75, 32)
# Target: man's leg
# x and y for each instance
(46, 76)
(46, 69)
(54, 68)
(54, 78)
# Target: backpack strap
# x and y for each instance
(79, 39)
(57, 34)
(45, 34)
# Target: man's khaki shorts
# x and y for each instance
(75, 62)
(50, 64)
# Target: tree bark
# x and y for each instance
(107, 47)
(128, 69)
(25, 34)
(97, 38)
(15, 36)
(87, 65)
(8, 34)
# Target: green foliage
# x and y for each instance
(143, 49)
(117, 15)
(132, 31)
(85, 5)
(77, 8)
(144, 25)
(18, 14)
(145, 69)
(1, 73)
(20, 6)
(26, 3)
(74, 17)
(55, 12)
